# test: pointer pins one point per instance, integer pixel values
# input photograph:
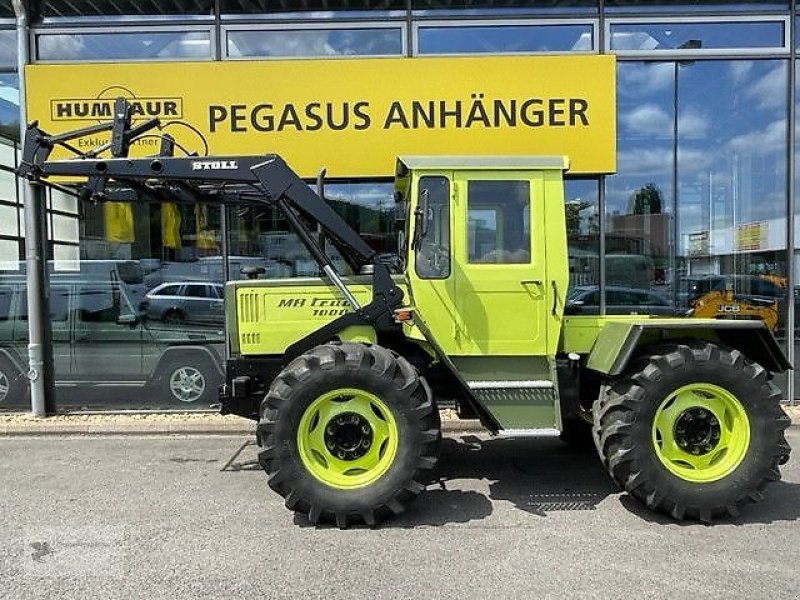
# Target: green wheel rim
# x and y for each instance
(701, 432)
(347, 438)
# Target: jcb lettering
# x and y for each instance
(729, 308)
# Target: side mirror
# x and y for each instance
(130, 319)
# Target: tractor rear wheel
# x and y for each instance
(348, 433)
(693, 429)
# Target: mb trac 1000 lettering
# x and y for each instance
(343, 373)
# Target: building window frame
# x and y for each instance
(740, 52)
(400, 26)
(35, 33)
(594, 24)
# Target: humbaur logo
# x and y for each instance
(214, 165)
(101, 108)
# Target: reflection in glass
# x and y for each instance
(113, 348)
(647, 37)
(583, 244)
(8, 49)
(316, 42)
(639, 197)
(123, 45)
(260, 236)
(501, 39)
(631, 6)
(9, 106)
(722, 252)
(732, 189)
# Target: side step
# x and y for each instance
(520, 405)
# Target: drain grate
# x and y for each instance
(565, 501)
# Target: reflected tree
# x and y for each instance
(573, 215)
(647, 200)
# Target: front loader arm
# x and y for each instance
(268, 178)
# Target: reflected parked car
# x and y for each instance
(191, 302)
(100, 343)
(747, 286)
(585, 300)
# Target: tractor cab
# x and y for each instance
(486, 266)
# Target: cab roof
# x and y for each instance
(479, 163)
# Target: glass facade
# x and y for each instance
(699, 214)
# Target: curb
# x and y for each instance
(100, 427)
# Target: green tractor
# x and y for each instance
(343, 373)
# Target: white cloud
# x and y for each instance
(640, 80)
(651, 162)
(692, 124)
(62, 47)
(740, 70)
(769, 91)
(647, 119)
(771, 139)
(650, 119)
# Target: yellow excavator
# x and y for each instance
(728, 304)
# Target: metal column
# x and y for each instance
(40, 348)
(791, 173)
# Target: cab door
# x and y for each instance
(500, 279)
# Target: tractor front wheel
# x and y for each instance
(693, 429)
(348, 433)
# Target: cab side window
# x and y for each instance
(499, 222)
(432, 228)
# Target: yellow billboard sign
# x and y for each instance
(352, 117)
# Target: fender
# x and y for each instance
(619, 341)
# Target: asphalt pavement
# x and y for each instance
(192, 517)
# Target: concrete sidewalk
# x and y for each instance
(183, 423)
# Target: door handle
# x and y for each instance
(531, 282)
(555, 297)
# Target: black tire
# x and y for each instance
(577, 434)
(179, 373)
(13, 385)
(623, 420)
(375, 370)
